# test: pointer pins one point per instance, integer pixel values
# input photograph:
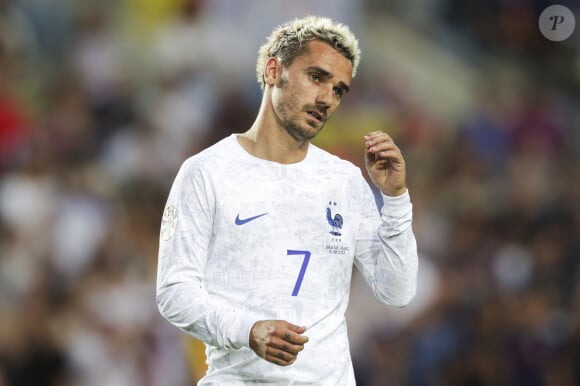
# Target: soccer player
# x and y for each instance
(261, 230)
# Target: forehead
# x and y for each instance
(326, 57)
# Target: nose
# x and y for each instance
(325, 97)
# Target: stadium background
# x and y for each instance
(100, 101)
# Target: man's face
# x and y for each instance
(310, 89)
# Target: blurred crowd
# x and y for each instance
(101, 101)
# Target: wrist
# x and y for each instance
(241, 330)
(397, 206)
(395, 192)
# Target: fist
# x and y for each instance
(277, 341)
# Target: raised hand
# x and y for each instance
(385, 163)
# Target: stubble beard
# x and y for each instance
(290, 115)
(297, 132)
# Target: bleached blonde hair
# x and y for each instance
(288, 41)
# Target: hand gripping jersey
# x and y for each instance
(244, 239)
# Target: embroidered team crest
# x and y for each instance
(335, 222)
(168, 223)
(333, 244)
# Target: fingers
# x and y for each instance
(277, 341)
(381, 145)
(283, 353)
(285, 346)
(295, 328)
(375, 137)
(280, 358)
(385, 163)
(293, 334)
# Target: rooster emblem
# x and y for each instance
(335, 222)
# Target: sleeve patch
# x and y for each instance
(168, 223)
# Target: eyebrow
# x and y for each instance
(328, 75)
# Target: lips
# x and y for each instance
(319, 116)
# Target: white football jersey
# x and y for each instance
(245, 239)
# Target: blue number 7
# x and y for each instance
(302, 270)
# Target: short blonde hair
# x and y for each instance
(287, 42)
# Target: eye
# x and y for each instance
(339, 92)
(315, 77)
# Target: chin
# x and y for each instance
(303, 133)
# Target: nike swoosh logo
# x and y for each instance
(242, 221)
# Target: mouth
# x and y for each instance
(317, 115)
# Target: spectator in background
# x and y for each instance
(85, 174)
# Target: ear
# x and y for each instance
(272, 71)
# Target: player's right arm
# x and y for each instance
(182, 298)
(186, 233)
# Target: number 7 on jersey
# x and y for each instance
(306, 254)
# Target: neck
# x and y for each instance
(267, 139)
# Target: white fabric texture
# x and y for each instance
(244, 239)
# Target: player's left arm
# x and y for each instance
(386, 249)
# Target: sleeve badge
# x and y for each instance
(168, 223)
